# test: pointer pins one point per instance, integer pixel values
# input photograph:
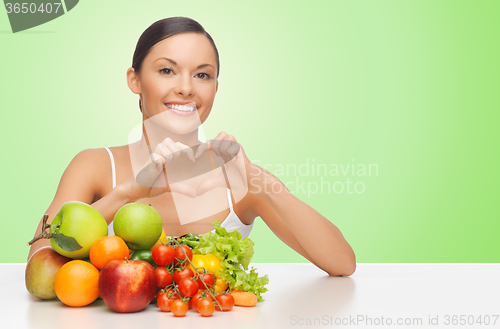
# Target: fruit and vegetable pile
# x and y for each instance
(139, 264)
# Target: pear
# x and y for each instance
(41, 271)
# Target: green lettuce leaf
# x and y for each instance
(235, 254)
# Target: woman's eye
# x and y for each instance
(203, 75)
(166, 71)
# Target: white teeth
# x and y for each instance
(183, 108)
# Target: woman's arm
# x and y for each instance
(293, 221)
(301, 227)
(81, 181)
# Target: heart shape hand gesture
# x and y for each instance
(175, 167)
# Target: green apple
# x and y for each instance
(80, 221)
(138, 224)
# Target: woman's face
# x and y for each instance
(179, 69)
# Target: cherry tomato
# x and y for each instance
(180, 255)
(225, 301)
(208, 278)
(188, 287)
(206, 307)
(163, 301)
(173, 294)
(163, 255)
(200, 294)
(195, 299)
(163, 277)
(181, 274)
(178, 307)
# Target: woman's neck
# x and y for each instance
(153, 138)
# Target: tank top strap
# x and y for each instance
(113, 170)
(229, 199)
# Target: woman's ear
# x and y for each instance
(217, 86)
(133, 81)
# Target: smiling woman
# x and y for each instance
(175, 72)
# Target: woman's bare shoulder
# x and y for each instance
(96, 164)
(82, 178)
(92, 158)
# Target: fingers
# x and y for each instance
(157, 159)
(186, 150)
(169, 150)
(148, 176)
(201, 149)
(223, 145)
(163, 151)
(233, 150)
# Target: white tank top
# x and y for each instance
(231, 223)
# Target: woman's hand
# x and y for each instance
(151, 180)
(237, 170)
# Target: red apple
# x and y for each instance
(127, 285)
(41, 272)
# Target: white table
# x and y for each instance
(299, 296)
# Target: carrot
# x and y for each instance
(244, 298)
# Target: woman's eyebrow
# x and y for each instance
(175, 63)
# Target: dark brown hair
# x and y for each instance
(163, 29)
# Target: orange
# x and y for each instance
(106, 249)
(77, 283)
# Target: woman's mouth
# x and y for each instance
(183, 110)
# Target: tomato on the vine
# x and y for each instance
(226, 301)
(180, 255)
(163, 255)
(188, 287)
(163, 277)
(181, 274)
(205, 307)
(195, 299)
(173, 294)
(163, 301)
(208, 278)
(178, 307)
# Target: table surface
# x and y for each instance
(300, 295)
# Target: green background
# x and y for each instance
(411, 86)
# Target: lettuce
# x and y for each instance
(235, 254)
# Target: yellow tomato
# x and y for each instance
(162, 238)
(220, 285)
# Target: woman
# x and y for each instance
(174, 72)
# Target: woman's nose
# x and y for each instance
(184, 87)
